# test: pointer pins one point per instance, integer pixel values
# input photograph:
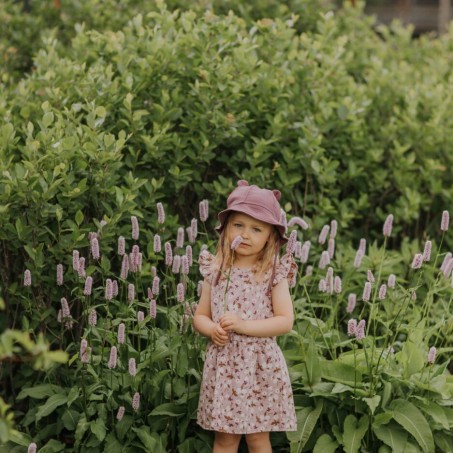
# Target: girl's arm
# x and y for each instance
(202, 320)
(280, 323)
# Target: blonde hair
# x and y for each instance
(224, 254)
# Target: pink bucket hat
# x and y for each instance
(261, 204)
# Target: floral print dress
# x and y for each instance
(246, 386)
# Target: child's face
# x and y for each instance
(254, 233)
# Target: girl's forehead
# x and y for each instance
(246, 218)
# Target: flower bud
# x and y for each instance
(417, 261)
(180, 238)
(92, 317)
(130, 292)
(445, 221)
(75, 260)
(382, 291)
(121, 246)
(388, 224)
(94, 244)
(360, 331)
(120, 413)
(352, 327)
(132, 367)
(204, 210)
(136, 401)
(236, 242)
(59, 274)
(366, 292)
(152, 309)
(299, 222)
(157, 244)
(160, 213)
(323, 235)
(432, 355)
(352, 299)
(27, 278)
(180, 292)
(121, 333)
(135, 228)
(168, 254)
(155, 288)
(391, 281)
(427, 251)
(113, 358)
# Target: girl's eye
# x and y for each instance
(237, 225)
(257, 230)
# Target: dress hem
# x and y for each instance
(258, 430)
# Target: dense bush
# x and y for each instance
(142, 103)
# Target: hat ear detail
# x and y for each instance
(277, 194)
(242, 183)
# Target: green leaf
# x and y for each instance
(306, 421)
(373, 402)
(353, 432)
(40, 391)
(79, 217)
(70, 419)
(171, 409)
(413, 421)
(50, 405)
(47, 119)
(325, 444)
(147, 439)
(392, 435)
(98, 429)
(123, 426)
(312, 362)
(53, 446)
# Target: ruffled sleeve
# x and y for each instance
(206, 263)
(286, 268)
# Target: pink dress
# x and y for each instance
(246, 386)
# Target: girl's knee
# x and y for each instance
(227, 440)
(257, 439)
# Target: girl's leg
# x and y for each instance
(258, 443)
(226, 443)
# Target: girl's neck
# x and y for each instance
(244, 262)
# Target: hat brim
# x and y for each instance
(256, 213)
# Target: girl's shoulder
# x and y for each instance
(286, 268)
(206, 264)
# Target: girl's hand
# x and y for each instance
(218, 336)
(231, 321)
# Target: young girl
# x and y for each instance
(245, 303)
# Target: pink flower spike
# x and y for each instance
(298, 250)
(236, 242)
(360, 331)
(323, 235)
(290, 247)
(391, 281)
(382, 291)
(157, 246)
(184, 265)
(388, 224)
(94, 243)
(309, 271)
(81, 270)
(427, 251)
(352, 327)
(160, 213)
(59, 274)
(121, 246)
(366, 292)
(153, 271)
(135, 228)
(168, 254)
(75, 260)
(140, 316)
(417, 261)
(331, 247)
(362, 246)
(180, 238)
(176, 264)
(113, 358)
(180, 292)
(92, 317)
(446, 260)
(445, 221)
(432, 355)
(352, 299)
(115, 288)
(121, 333)
(120, 413)
(152, 309)
(194, 229)
(108, 289)
(324, 260)
(32, 448)
(204, 208)
(299, 222)
(136, 401)
(88, 286)
(333, 229)
(27, 278)
(358, 259)
(189, 254)
(155, 288)
(370, 276)
(132, 367)
(124, 267)
(448, 268)
(322, 285)
(337, 285)
(130, 292)
(413, 295)
(305, 251)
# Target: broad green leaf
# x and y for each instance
(306, 421)
(70, 419)
(325, 444)
(171, 409)
(413, 421)
(53, 446)
(112, 444)
(436, 412)
(40, 391)
(312, 363)
(82, 427)
(47, 119)
(373, 402)
(353, 432)
(123, 426)
(392, 435)
(51, 404)
(98, 428)
(148, 440)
